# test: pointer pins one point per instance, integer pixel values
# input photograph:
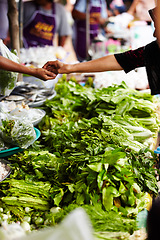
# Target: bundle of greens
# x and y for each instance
(27, 194)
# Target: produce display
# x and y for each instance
(94, 152)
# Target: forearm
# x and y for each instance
(9, 65)
(62, 40)
(157, 22)
(133, 6)
(107, 63)
(78, 15)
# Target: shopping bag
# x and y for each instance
(7, 79)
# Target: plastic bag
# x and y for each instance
(11, 231)
(75, 226)
(34, 115)
(8, 79)
(17, 131)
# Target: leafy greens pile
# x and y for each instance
(93, 152)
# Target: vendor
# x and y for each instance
(42, 20)
(148, 56)
(98, 16)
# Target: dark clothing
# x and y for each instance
(152, 62)
(131, 59)
(149, 57)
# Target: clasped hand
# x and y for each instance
(55, 67)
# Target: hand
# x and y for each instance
(43, 74)
(56, 67)
(100, 20)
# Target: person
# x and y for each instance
(138, 10)
(41, 73)
(127, 3)
(147, 56)
(115, 7)
(42, 20)
(97, 10)
(153, 220)
(4, 26)
(157, 21)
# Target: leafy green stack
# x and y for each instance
(94, 152)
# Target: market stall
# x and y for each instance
(95, 152)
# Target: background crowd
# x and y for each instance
(49, 22)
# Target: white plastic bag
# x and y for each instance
(11, 231)
(7, 79)
(75, 226)
(17, 131)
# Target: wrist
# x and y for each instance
(69, 68)
(32, 71)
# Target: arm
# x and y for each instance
(133, 6)
(82, 16)
(107, 63)
(63, 28)
(78, 15)
(157, 22)
(62, 40)
(9, 65)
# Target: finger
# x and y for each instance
(46, 65)
(51, 68)
(50, 78)
(51, 74)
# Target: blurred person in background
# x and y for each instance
(115, 7)
(139, 9)
(98, 17)
(127, 3)
(4, 22)
(43, 19)
(69, 8)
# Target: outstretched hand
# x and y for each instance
(44, 74)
